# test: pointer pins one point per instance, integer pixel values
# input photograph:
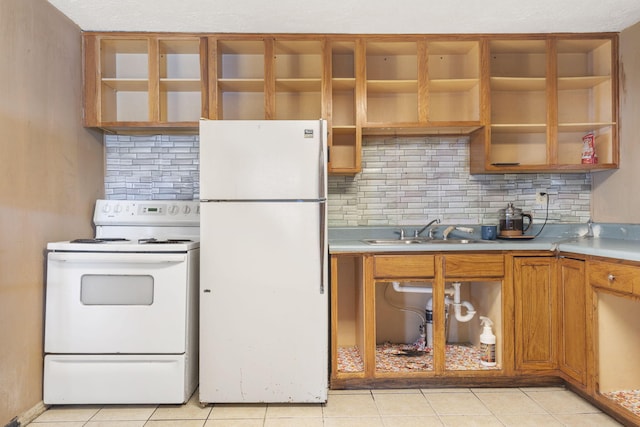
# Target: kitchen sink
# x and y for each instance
(461, 241)
(419, 241)
(395, 241)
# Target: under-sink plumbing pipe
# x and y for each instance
(457, 305)
(455, 291)
(399, 287)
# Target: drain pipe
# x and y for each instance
(412, 289)
(457, 305)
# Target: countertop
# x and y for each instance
(619, 241)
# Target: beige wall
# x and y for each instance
(615, 197)
(51, 172)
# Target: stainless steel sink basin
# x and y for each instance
(461, 241)
(393, 242)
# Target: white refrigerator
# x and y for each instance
(263, 271)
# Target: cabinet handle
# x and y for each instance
(611, 277)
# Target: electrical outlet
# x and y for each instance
(541, 197)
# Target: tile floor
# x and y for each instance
(354, 408)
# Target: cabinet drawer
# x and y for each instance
(474, 265)
(618, 277)
(410, 266)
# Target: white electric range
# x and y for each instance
(121, 307)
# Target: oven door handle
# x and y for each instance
(120, 258)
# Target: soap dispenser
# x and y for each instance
(487, 343)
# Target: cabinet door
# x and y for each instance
(535, 313)
(573, 320)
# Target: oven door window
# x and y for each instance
(99, 289)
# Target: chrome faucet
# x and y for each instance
(589, 228)
(417, 233)
(445, 234)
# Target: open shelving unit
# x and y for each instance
(240, 78)
(298, 71)
(180, 80)
(518, 76)
(137, 82)
(345, 135)
(545, 95)
(525, 100)
(585, 98)
(124, 81)
(391, 82)
(454, 81)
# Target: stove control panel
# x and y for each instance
(148, 212)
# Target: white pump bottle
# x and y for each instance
(487, 343)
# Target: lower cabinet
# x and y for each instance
(535, 313)
(574, 327)
(569, 317)
(615, 290)
(403, 319)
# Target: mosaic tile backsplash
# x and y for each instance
(404, 181)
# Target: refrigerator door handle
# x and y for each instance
(322, 166)
(322, 243)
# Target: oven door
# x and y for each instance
(116, 302)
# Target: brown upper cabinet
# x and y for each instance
(142, 81)
(266, 78)
(421, 86)
(543, 94)
(526, 100)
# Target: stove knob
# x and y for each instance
(174, 209)
(117, 209)
(186, 209)
(106, 208)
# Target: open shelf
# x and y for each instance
(180, 97)
(240, 79)
(391, 82)
(618, 330)
(348, 326)
(124, 69)
(298, 85)
(522, 147)
(298, 68)
(585, 98)
(453, 81)
(515, 84)
(453, 85)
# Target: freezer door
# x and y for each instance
(268, 159)
(264, 306)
